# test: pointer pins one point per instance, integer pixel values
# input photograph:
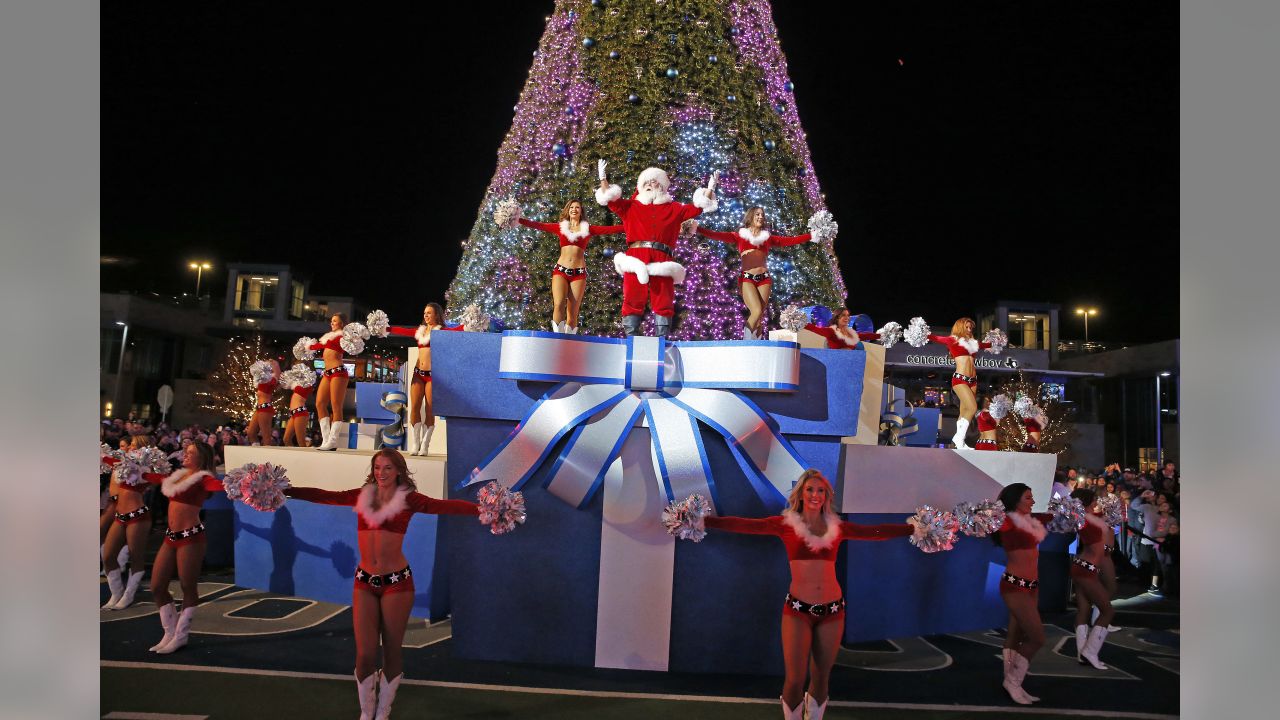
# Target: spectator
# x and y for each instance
(1166, 532)
(1168, 474)
(1060, 487)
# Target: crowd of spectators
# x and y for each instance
(1148, 540)
(174, 439)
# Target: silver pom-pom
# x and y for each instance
(261, 487)
(501, 509)
(377, 324)
(108, 452)
(154, 460)
(917, 333)
(822, 226)
(298, 376)
(353, 337)
(1068, 515)
(1000, 406)
(793, 318)
(133, 463)
(1024, 406)
(474, 319)
(1112, 508)
(935, 530)
(261, 372)
(980, 519)
(507, 214)
(302, 349)
(999, 341)
(890, 334)
(685, 519)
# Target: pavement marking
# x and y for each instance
(637, 695)
(151, 716)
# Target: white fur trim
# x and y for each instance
(181, 480)
(653, 173)
(423, 335)
(624, 264)
(814, 543)
(849, 337)
(1028, 524)
(669, 268)
(375, 518)
(574, 236)
(330, 336)
(757, 240)
(661, 197)
(608, 195)
(967, 343)
(702, 198)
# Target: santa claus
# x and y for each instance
(651, 221)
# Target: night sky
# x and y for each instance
(969, 151)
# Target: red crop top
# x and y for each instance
(955, 347)
(1094, 530)
(802, 545)
(422, 333)
(1032, 425)
(986, 423)
(303, 391)
(749, 244)
(837, 341)
(329, 341)
(576, 239)
(1025, 533)
(186, 487)
(269, 386)
(393, 516)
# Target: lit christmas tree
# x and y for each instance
(1058, 431)
(231, 387)
(686, 85)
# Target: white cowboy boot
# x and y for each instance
(130, 589)
(1082, 639)
(325, 423)
(1018, 667)
(386, 696)
(367, 690)
(117, 589)
(789, 714)
(1093, 619)
(426, 439)
(331, 439)
(814, 711)
(415, 438)
(169, 621)
(570, 330)
(123, 558)
(1097, 636)
(181, 631)
(962, 428)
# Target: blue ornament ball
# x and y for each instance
(780, 108)
(788, 86)
(662, 157)
(597, 3)
(588, 42)
(731, 98)
(769, 145)
(614, 54)
(672, 72)
(559, 149)
(820, 314)
(633, 98)
(734, 31)
(862, 323)
(802, 172)
(713, 59)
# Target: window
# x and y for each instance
(109, 342)
(256, 292)
(295, 302)
(1028, 330)
(985, 323)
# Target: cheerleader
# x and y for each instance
(130, 525)
(569, 276)
(987, 424)
(332, 392)
(813, 611)
(300, 380)
(422, 420)
(964, 380)
(383, 594)
(182, 551)
(267, 376)
(1020, 536)
(753, 241)
(1034, 422)
(1090, 592)
(838, 335)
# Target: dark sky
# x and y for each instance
(970, 151)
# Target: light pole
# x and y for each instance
(199, 266)
(1086, 312)
(124, 341)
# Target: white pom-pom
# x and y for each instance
(298, 376)
(353, 337)
(501, 509)
(822, 226)
(261, 372)
(917, 333)
(261, 487)
(998, 340)
(378, 324)
(979, 519)
(474, 319)
(890, 334)
(685, 519)
(935, 530)
(1023, 406)
(1068, 515)
(302, 349)
(1000, 406)
(107, 452)
(793, 318)
(507, 214)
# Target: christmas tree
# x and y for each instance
(231, 388)
(690, 86)
(1055, 436)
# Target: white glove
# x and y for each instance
(600, 166)
(711, 184)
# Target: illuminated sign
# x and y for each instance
(948, 361)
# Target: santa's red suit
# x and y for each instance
(652, 225)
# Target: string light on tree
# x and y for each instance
(231, 387)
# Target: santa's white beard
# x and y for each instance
(653, 197)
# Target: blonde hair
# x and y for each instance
(746, 217)
(795, 501)
(959, 329)
(564, 211)
(139, 441)
(404, 478)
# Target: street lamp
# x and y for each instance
(1086, 312)
(199, 266)
(124, 341)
